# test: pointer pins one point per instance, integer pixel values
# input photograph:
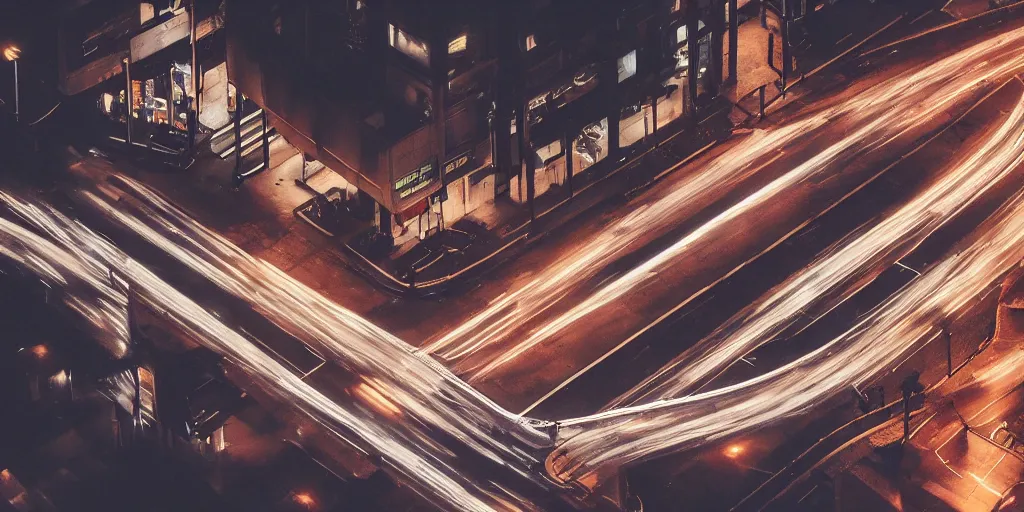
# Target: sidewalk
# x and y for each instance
(949, 462)
(817, 43)
(497, 231)
(502, 228)
(260, 217)
(273, 218)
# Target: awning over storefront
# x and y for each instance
(170, 32)
(93, 73)
(140, 47)
(160, 37)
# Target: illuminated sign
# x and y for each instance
(416, 180)
(458, 162)
(410, 191)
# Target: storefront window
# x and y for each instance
(681, 34)
(155, 108)
(549, 152)
(635, 123)
(627, 66)
(136, 99)
(536, 108)
(704, 78)
(107, 103)
(590, 146)
(549, 177)
(114, 106)
(412, 47)
(672, 105)
(181, 89)
(681, 54)
(582, 82)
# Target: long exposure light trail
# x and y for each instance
(413, 400)
(873, 345)
(69, 252)
(845, 268)
(85, 277)
(423, 387)
(878, 116)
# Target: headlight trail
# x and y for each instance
(842, 270)
(68, 252)
(428, 397)
(873, 345)
(423, 387)
(878, 116)
(84, 276)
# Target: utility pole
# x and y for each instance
(239, 102)
(911, 386)
(129, 98)
(734, 40)
(787, 58)
(17, 98)
(265, 138)
(13, 53)
(193, 118)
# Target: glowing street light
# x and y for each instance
(733, 451)
(304, 499)
(12, 53)
(40, 351)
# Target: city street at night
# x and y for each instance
(637, 255)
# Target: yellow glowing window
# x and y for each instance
(457, 45)
(409, 45)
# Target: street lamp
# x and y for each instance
(12, 53)
(734, 451)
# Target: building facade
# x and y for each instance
(432, 110)
(127, 68)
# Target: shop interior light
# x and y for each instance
(457, 45)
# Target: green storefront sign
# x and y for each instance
(417, 180)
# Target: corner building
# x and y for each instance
(436, 109)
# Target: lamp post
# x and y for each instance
(12, 53)
(193, 112)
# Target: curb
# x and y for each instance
(524, 235)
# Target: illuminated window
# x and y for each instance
(531, 42)
(457, 45)
(590, 146)
(414, 48)
(677, 5)
(147, 393)
(107, 103)
(549, 152)
(627, 65)
(682, 32)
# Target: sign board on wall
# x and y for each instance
(417, 180)
(160, 37)
(458, 163)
